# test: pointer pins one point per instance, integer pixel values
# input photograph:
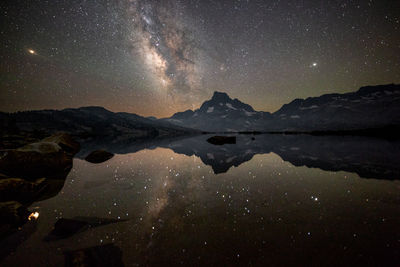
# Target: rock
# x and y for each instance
(12, 212)
(11, 237)
(51, 189)
(47, 158)
(21, 190)
(65, 228)
(99, 156)
(35, 160)
(19, 138)
(221, 140)
(13, 215)
(107, 255)
(65, 141)
(50, 158)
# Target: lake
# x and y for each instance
(266, 200)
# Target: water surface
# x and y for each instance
(274, 200)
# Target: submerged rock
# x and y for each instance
(99, 156)
(107, 255)
(47, 158)
(65, 228)
(221, 140)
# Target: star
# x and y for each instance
(314, 65)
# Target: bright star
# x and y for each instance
(314, 64)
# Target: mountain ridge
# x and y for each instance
(84, 122)
(368, 107)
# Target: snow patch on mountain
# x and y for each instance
(175, 121)
(372, 106)
(250, 113)
(229, 105)
(310, 107)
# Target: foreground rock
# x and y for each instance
(41, 168)
(51, 157)
(222, 140)
(16, 195)
(99, 156)
(21, 190)
(13, 213)
(10, 240)
(65, 141)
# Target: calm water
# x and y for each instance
(254, 203)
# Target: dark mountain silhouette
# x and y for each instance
(221, 113)
(369, 107)
(89, 122)
(373, 109)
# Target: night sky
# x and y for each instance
(160, 57)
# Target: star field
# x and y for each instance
(160, 57)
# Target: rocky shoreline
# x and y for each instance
(33, 172)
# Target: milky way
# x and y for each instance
(167, 48)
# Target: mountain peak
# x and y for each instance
(221, 96)
(370, 107)
(95, 109)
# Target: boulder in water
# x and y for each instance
(222, 140)
(51, 157)
(99, 156)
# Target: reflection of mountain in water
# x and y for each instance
(368, 157)
(219, 157)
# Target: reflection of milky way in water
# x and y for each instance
(178, 210)
(166, 47)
